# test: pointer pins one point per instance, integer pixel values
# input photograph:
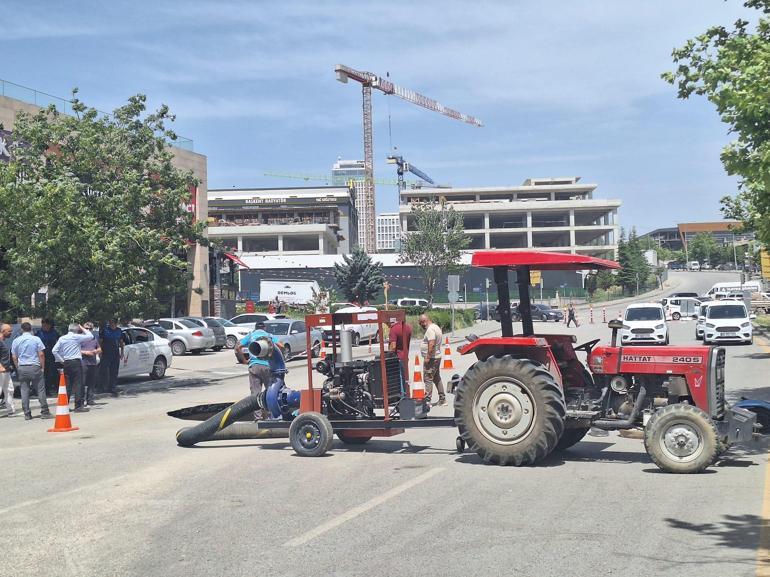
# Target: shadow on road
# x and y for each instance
(733, 531)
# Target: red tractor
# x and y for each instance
(528, 395)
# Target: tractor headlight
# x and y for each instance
(746, 325)
(709, 325)
(658, 327)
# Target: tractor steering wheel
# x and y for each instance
(587, 346)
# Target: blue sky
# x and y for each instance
(564, 88)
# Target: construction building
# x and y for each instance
(350, 173)
(679, 236)
(388, 232)
(16, 98)
(559, 214)
(303, 220)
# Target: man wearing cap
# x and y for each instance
(67, 351)
(30, 359)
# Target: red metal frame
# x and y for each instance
(309, 400)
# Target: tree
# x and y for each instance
(605, 280)
(703, 248)
(730, 68)
(591, 284)
(97, 212)
(635, 270)
(437, 243)
(358, 278)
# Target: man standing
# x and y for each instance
(67, 351)
(49, 335)
(90, 351)
(399, 339)
(431, 354)
(571, 315)
(6, 384)
(111, 337)
(260, 370)
(29, 357)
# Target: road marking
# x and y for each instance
(356, 511)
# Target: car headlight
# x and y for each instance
(709, 325)
(658, 327)
(746, 325)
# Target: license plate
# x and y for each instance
(728, 334)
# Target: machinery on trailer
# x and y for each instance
(526, 396)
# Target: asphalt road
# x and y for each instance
(118, 497)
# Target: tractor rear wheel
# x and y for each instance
(509, 411)
(681, 438)
(571, 437)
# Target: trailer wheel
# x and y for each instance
(350, 440)
(311, 434)
(509, 411)
(681, 438)
(571, 437)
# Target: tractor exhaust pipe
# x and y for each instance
(630, 422)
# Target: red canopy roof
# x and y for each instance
(539, 260)
(236, 260)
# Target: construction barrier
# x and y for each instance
(447, 361)
(604, 315)
(591, 314)
(322, 356)
(63, 423)
(418, 386)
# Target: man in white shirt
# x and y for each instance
(431, 355)
(67, 351)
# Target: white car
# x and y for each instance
(144, 353)
(234, 332)
(700, 324)
(365, 332)
(644, 323)
(250, 319)
(728, 322)
(681, 307)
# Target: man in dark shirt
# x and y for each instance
(6, 384)
(49, 335)
(111, 338)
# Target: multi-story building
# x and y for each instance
(305, 220)
(679, 236)
(558, 214)
(16, 98)
(351, 173)
(388, 232)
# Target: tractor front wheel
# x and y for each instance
(509, 411)
(681, 438)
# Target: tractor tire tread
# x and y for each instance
(694, 414)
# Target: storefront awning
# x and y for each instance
(236, 260)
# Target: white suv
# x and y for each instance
(727, 322)
(644, 323)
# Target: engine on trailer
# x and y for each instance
(354, 388)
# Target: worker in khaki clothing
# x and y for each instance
(431, 355)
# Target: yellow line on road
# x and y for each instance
(356, 511)
(763, 548)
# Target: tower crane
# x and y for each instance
(328, 179)
(369, 80)
(403, 166)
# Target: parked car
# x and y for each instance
(153, 326)
(403, 303)
(644, 323)
(144, 353)
(494, 313)
(220, 337)
(292, 336)
(679, 307)
(233, 332)
(545, 313)
(185, 335)
(693, 265)
(700, 324)
(361, 332)
(250, 319)
(728, 322)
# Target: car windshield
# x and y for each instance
(213, 323)
(188, 324)
(726, 312)
(277, 328)
(644, 314)
(226, 323)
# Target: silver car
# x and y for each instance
(291, 335)
(220, 337)
(185, 335)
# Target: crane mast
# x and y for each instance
(365, 201)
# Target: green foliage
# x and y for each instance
(703, 248)
(731, 67)
(591, 284)
(443, 318)
(435, 247)
(605, 279)
(635, 270)
(94, 209)
(358, 277)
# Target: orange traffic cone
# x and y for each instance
(323, 350)
(62, 424)
(418, 386)
(447, 362)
